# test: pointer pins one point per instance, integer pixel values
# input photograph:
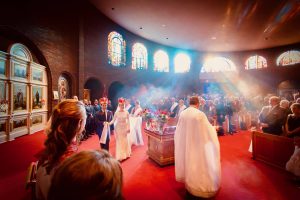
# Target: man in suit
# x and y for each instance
(272, 117)
(89, 120)
(102, 118)
(174, 107)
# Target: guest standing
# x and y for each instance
(181, 107)
(272, 117)
(174, 107)
(292, 126)
(66, 123)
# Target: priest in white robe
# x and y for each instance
(197, 152)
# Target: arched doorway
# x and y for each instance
(288, 88)
(94, 87)
(115, 90)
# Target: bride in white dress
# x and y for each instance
(122, 129)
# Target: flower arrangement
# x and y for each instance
(163, 116)
(43, 102)
(147, 114)
(3, 105)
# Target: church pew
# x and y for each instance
(272, 149)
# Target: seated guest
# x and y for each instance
(272, 117)
(67, 122)
(292, 126)
(174, 107)
(87, 175)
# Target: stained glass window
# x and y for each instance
(182, 63)
(288, 58)
(139, 56)
(218, 64)
(255, 62)
(161, 61)
(116, 49)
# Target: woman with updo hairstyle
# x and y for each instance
(88, 175)
(66, 123)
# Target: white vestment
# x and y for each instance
(197, 154)
(136, 127)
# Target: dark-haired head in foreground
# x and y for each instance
(88, 175)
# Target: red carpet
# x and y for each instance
(242, 177)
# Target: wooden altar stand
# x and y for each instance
(161, 146)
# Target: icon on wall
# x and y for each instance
(37, 75)
(55, 95)
(37, 95)
(63, 88)
(20, 71)
(19, 97)
(86, 94)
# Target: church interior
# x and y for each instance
(240, 53)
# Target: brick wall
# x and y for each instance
(72, 38)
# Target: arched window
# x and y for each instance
(139, 56)
(288, 58)
(255, 62)
(182, 63)
(218, 64)
(161, 61)
(116, 49)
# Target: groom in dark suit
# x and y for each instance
(101, 117)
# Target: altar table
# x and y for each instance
(161, 146)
